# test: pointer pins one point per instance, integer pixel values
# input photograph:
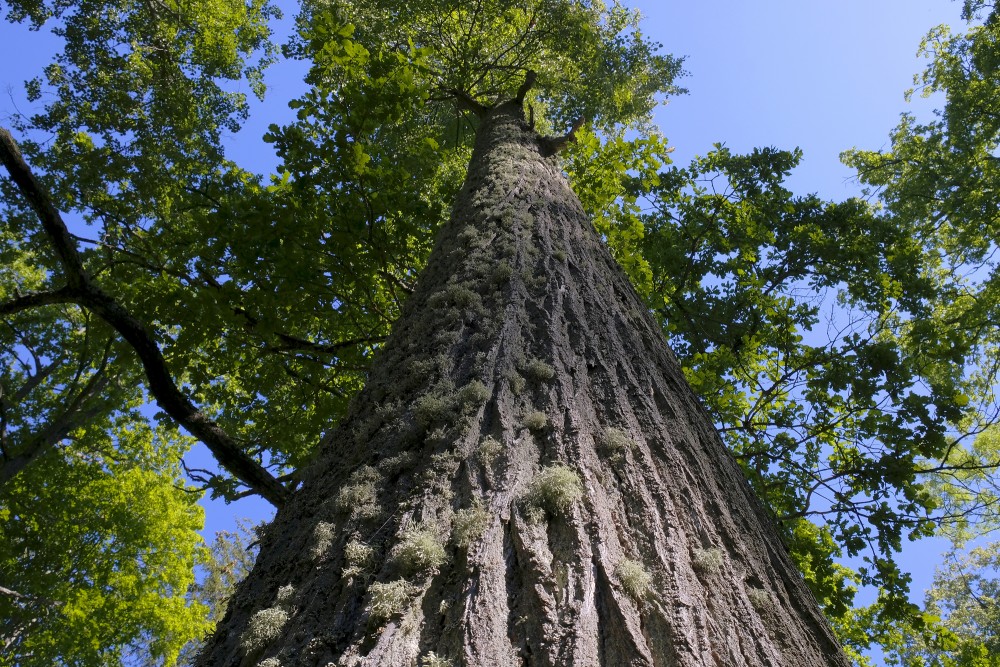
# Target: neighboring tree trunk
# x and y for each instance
(527, 479)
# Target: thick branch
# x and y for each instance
(51, 221)
(40, 443)
(73, 417)
(224, 447)
(36, 299)
(21, 597)
(468, 102)
(529, 83)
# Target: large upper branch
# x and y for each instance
(83, 291)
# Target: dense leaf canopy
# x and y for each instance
(846, 350)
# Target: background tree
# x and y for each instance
(228, 561)
(965, 598)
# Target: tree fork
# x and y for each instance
(526, 479)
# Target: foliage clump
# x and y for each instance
(634, 578)
(536, 420)
(264, 627)
(964, 599)
(389, 599)
(708, 561)
(420, 550)
(553, 492)
(469, 524)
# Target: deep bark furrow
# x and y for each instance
(522, 352)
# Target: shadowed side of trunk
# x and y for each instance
(526, 479)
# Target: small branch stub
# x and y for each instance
(556, 145)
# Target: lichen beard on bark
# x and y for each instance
(526, 478)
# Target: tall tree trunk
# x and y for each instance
(527, 479)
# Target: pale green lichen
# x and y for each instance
(469, 524)
(389, 599)
(358, 558)
(264, 627)
(708, 561)
(489, 450)
(438, 436)
(322, 539)
(617, 442)
(634, 578)
(559, 255)
(515, 380)
(553, 491)
(358, 500)
(285, 594)
(269, 662)
(539, 371)
(479, 341)
(502, 272)
(447, 337)
(456, 296)
(759, 598)
(394, 464)
(535, 421)
(432, 659)
(419, 551)
(431, 409)
(533, 282)
(473, 394)
(471, 237)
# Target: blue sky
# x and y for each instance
(821, 75)
(824, 76)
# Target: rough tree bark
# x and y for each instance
(527, 479)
